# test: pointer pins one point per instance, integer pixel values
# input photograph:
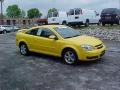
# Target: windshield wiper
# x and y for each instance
(76, 35)
(69, 37)
(72, 36)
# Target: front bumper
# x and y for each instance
(91, 55)
(109, 21)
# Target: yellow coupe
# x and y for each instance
(60, 41)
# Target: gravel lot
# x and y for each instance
(41, 72)
(106, 33)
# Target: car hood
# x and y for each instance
(84, 40)
(23, 30)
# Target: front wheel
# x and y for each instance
(69, 56)
(24, 49)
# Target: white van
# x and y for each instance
(57, 17)
(6, 28)
(83, 16)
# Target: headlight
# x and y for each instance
(87, 47)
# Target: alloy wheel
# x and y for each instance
(69, 57)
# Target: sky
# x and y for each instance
(62, 5)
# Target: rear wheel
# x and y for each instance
(69, 56)
(87, 23)
(103, 24)
(23, 49)
(64, 23)
(111, 24)
(4, 31)
(99, 23)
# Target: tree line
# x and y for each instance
(13, 11)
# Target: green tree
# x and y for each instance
(33, 13)
(13, 11)
(52, 10)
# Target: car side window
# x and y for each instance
(77, 12)
(32, 32)
(71, 12)
(39, 32)
(50, 15)
(55, 14)
(46, 33)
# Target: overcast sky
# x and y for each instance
(63, 5)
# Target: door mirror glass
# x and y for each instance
(52, 37)
(97, 14)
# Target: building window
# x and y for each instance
(8, 22)
(14, 22)
(24, 22)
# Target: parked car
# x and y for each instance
(16, 28)
(85, 17)
(42, 21)
(5, 28)
(110, 16)
(57, 17)
(61, 41)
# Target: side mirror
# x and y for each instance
(53, 37)
(97, 14)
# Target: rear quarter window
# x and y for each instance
(71, 12)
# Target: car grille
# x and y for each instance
(99, 46)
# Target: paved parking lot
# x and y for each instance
(41, 72)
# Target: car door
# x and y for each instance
(96, 17)
(44, 44)
(49, 17)
(53, 18)
(77, 16)
(71, 16)
(31, 38)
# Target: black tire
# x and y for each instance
(103, 24)
(64, 23)
(118, 22)
(87, 23)
(4, 31)
(111, 24)
(99, 23)
(70, 60)
(23, 49)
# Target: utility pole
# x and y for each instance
(1, 1)
(119, 4)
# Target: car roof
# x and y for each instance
(5, 25)
(49, 26)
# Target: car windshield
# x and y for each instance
(109, 10)
(67, 32)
